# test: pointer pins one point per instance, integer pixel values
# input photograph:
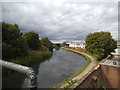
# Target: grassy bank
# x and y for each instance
(33, 57)
(74, 75)
(86, 52)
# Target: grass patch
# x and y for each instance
(33, 57)
(86, 52)
(70, 83)
(74, 75)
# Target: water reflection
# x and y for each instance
(61, 66)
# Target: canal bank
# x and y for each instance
(72, 81)
(60, 66)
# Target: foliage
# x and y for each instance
(32, 40)
(63, 44)
(56, 47)
(33, 57)
(101, 44)
(13, 45)
(25, 49)
(47, 43)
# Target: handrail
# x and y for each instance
(23, 69)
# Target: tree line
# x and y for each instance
(16, 44)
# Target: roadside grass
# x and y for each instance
(74, 75)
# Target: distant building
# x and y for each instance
(76, 44)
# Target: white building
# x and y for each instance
(79, 44)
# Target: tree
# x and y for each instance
(100, 44)
(56, 46)
(47, 43)
(32, 40)
(63, 44)
(13, 45)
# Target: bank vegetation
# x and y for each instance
(23, 48)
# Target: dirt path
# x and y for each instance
(89, 68)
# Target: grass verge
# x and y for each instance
(74, 75)
(86, 52)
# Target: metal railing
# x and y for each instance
(22, 69)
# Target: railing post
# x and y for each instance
(23, 69)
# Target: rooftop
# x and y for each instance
(77, 42)
(113, 62)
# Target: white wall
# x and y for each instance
(76, 45)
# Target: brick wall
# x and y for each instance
(110, 76)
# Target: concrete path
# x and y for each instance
(88, 69)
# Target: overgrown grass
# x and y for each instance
(74, 75)
(33, 57)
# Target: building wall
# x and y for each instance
(105, 76)
(76, 45)
(71, 45)
(110, 76)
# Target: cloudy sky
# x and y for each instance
(61, 20)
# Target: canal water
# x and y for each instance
(59, 67)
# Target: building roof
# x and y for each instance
(76, 42)
(113, 62)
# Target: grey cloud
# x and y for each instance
(67, 21)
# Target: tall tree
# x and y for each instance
(32, 40)
(101, 44)
(13, 45)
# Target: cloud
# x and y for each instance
(62, 20)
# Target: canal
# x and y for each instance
(59, 67)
